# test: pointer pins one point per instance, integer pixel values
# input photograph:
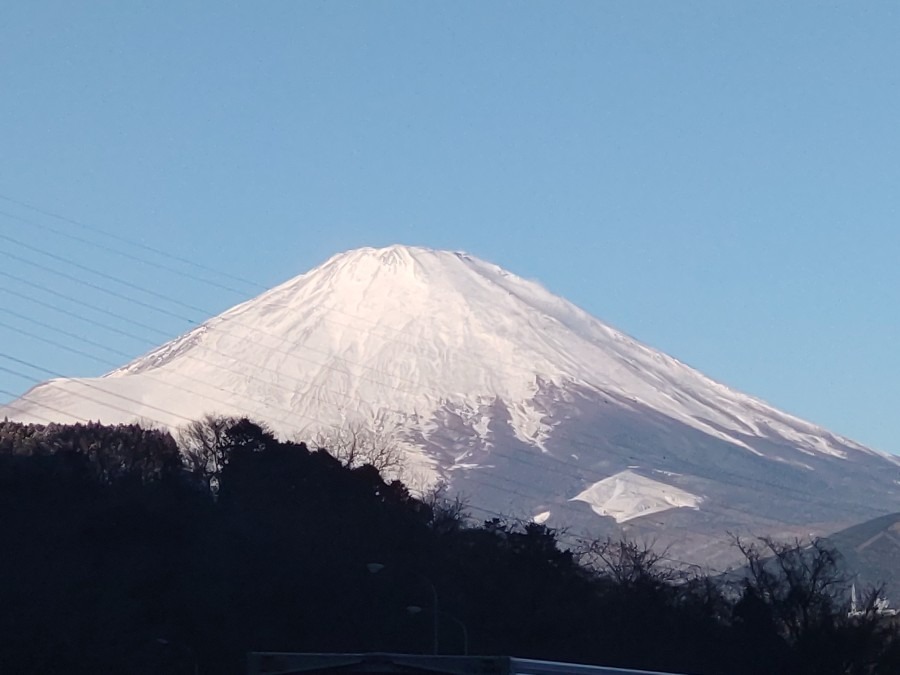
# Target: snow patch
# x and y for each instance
(628, 495)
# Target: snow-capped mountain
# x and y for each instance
(512, 395)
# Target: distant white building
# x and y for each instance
(881, 606)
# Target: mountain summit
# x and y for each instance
(504, 390)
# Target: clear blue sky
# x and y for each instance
(720, 180)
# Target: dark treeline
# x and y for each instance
(123, 554)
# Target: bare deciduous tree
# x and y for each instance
(357, 443)
(447, 514)
(204, 444)
(628, 563)
(801, 583)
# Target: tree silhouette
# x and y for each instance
(113, 540)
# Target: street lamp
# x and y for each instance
(375, 568)
(415, 609)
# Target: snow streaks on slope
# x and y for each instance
(411, 330)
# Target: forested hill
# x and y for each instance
(123, 553)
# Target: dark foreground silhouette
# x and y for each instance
(120, 556)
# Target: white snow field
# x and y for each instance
(628, 495)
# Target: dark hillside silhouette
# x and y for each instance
(118, 557)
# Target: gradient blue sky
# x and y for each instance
(720, 180)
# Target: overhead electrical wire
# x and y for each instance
(103, 275)
(88, 385)
(299, 357)
(78, 317)
(193, 263)
(328, 319)
(82, 303)
(130, 242)
(18, 397)
(96, 287)
(152, 378)
(80, 338)
(356, 318)
(120, 396)
(129, 256)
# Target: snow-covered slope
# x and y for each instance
(628, 495)
(408, 330)
(478, 369)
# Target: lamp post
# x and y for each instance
(414, 609)
(375, 568)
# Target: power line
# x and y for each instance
(126, 240)
(41, 417)
(511, 457)
(328, 319)
(82, 303)
(116, 394)
(81, 338)
(75, 315)
(102, 275)
(90, 386)
(96, 287)
(54, 343)
(124, 254)
(195, 322)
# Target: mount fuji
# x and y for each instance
(507, 393)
